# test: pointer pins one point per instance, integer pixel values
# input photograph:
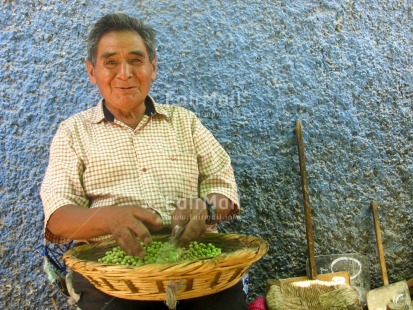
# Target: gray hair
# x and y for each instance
(120, 22)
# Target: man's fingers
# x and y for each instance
(128, 242)
(141, 231)
(152, 219)
(129, 226)
(179, 218)
(193, 230)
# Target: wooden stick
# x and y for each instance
(54, 302)
(307, 208)
(379, 243)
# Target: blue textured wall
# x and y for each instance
(249, 70)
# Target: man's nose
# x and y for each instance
(125, 70)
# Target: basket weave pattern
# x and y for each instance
(188, 279)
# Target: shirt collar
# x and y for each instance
(152, 109)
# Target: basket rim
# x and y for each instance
(261, 249)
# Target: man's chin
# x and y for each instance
(126, 100)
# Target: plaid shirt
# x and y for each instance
(96, 160)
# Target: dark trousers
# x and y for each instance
(91, 298)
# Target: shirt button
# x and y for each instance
(144, 170)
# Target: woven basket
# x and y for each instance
(187, 279)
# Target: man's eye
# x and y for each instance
(110, 63)
(137, 61)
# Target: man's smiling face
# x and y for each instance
(123, 71)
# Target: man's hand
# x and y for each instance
(127, 223)
(124, 223)
(192, 213)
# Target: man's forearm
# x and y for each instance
(77, 223)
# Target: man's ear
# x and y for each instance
(153, 64)
(91, 72)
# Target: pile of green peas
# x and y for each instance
(161, 252)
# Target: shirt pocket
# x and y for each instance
(177, 175)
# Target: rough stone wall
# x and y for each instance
(249, 69)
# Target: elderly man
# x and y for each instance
(130, 167)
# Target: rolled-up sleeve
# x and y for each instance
(62, 183)
(216, 172)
